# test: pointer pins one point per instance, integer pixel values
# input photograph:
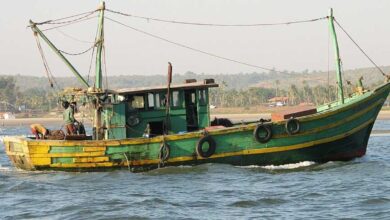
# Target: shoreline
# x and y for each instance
(383, 115)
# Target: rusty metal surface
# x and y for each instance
(295, 112)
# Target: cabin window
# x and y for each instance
(137, 101)
(202, 97)
(163, 100)
(175, 99)
(150, 100)
(157, 97)
(193, 98)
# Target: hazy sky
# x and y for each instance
(293, 47)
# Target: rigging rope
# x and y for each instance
(45, 64)
(59, 20)
(214, 24)
(92, 55)
(105, 65)
(193, 49)
(361, 50)
(73, 38)
(59, 26)
(80, 53)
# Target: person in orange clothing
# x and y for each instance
(39, 131)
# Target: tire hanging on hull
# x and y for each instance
(262, 128)
(211, 147)
(292, 126)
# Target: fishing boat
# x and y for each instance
(146, 128)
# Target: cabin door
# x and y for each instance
(191, 110)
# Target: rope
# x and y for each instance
(105, 66)
(361, 50)
(59, 26)
(45, 64)
(93, 52)
(213, 24)
(80, 53)
(73, 38)
(128, 163)
(59, 20)
(193, 49)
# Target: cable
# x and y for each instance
(105, 65)
(45, 64)
(92, 55)
(193, 49)
(59, 26)
(213, 24)
(56, 21)
(79, 53)
(361, 50)
(73, 38)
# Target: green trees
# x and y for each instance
(8, 90)
(224, 97)
(34, 98)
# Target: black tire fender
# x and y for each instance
(291, 124)
(165, 152)
(210, 151)
(262, 128)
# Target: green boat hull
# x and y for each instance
(335, 132)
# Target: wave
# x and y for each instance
(4, 169)
(284, 166)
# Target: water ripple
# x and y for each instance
(356, 189)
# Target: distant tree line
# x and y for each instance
(20, 92)
(13, 99)
(224, 97)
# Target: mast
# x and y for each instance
(36, 31)
(98, 74)
(340, 91)
(168, 100)
(99, 44)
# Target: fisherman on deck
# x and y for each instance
(359, 86)
(69, 119)
(39, 131)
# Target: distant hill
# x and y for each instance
(232, 81)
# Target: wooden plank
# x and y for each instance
(85, 154)
(39, 161)
(82, 165)
(91, 149)
(298, 111)
(91, 159)
(38, 149)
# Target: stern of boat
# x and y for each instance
(18, 152)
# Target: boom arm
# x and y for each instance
(36, 30)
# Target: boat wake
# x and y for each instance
(290, 166)
(4, 169)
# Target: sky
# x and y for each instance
(289, 47)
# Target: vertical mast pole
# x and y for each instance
(99, 43)
(98, 73)
(168, 100)
(340, 91)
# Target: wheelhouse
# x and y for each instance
(138, 112)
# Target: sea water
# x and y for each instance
(357, 189)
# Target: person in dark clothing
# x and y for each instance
(69, 119)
